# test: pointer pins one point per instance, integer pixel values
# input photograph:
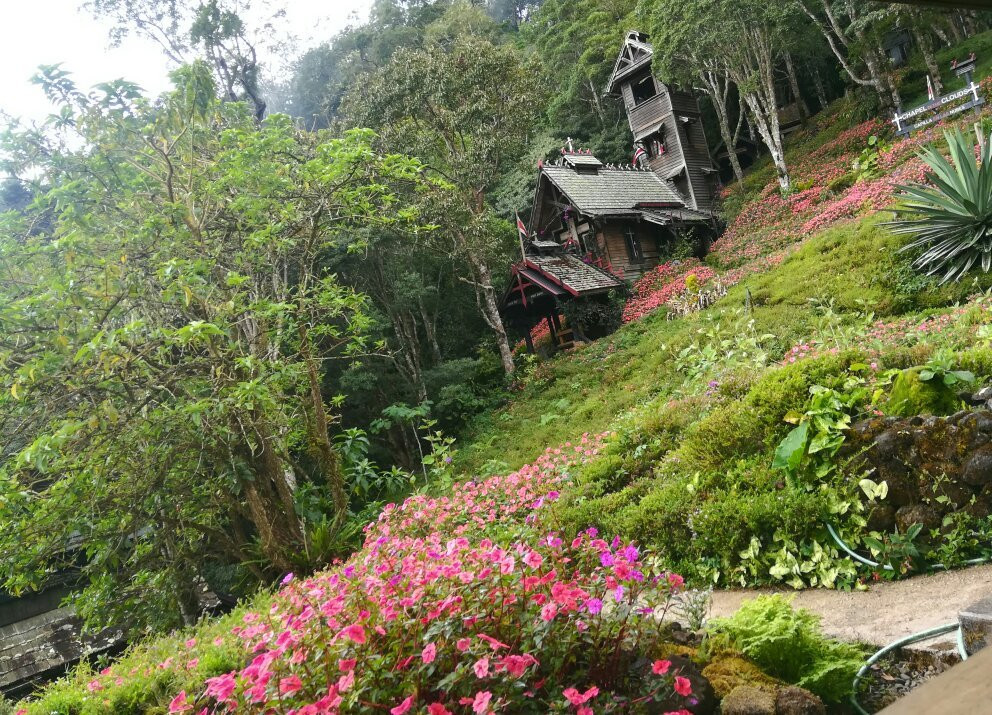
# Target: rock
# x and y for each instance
(888, 444)
(727, 671)
(924, 514)
(748, 700)
(976, 625)
(978, 469)
(881, 517)
(798, 701)
(957, 493)
(982, 395)
(902, 484)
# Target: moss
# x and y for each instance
(728, 670)
(912, 396)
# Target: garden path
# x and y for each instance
(887, 611)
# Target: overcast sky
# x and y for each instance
(35, 32)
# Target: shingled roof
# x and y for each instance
(611, 191)
(573, 274)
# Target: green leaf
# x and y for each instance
(790, 451)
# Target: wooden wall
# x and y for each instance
(613, 243)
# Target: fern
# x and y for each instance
(788, 644)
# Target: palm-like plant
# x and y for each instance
(952, 219)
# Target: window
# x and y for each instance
(587, 242)
(634, 252)
(644, 90)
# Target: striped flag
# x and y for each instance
(639, 151)
(521, 228)
(929, 89)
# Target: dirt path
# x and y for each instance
(889, 610)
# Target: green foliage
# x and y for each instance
(788, 644)
(912, 395)
(866, 166)
(171, 398)
(951, 221)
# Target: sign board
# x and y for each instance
(941, 108)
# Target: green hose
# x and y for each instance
(874, 564)
(921, 636)
(908, 640)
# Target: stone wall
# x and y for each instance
(933, 466)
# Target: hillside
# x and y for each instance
(663, 434)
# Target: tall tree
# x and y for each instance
(744, 40)
(163, 344)
(214, 30)
(466, 111)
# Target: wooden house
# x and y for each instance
(666, 123)
(596, 227)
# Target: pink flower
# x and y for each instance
(481, 667)
(94, 686)
(660, 667)
(463, 644)
(438, 709)
(533, 559)
(290, 684)
(682, 686)
(402, 707)
(481, 702)
(346, 664)
(354, 632)
(576, 698)
(549, 611)
(429, 653)
(221, 687)
(179, 704)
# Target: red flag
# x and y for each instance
(929, 89)
(521, 228)
(639, 151)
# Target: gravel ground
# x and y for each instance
(889, 610)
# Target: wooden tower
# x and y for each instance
(666, 123)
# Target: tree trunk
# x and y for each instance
(319, 427)
(490, 312)
(819, 87)
(717, 90)
(790, 70)
(926, 49)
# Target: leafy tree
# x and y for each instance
(577, 44)
(744, 41)
(164, 343)
(466, 112)
(183, 29)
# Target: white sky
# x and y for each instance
(35, 32)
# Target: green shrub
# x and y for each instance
(912, 396)
(788, 644)
(842, 182)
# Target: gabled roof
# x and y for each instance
(635, 54)
(611, 191)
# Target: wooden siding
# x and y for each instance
(649, 113)
(613, 243)
(697, 159)
(684, 103)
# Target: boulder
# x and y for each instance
(881, 517)
(727, 671)
(748, 700)
(793, 700)
(925, 514)
(978, 469)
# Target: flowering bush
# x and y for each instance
(660, 285)
(463, 603)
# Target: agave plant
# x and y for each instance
(952, 219)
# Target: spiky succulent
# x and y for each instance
(952, 218)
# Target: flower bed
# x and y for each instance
(464, 603)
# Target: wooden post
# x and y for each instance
(530, 342)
